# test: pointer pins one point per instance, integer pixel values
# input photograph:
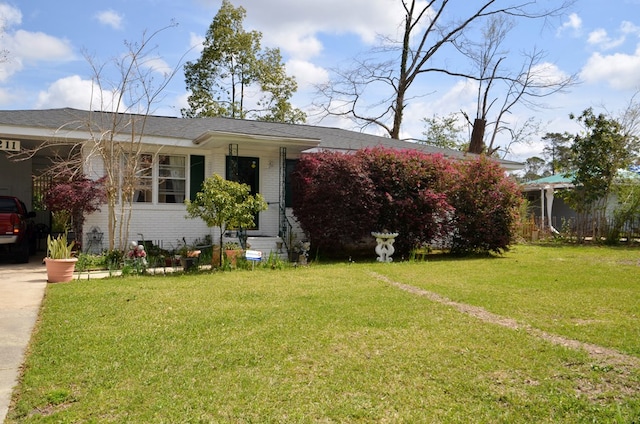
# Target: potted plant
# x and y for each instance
(60, 261)
(232, 250)
(188, 256)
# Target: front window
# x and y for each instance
(171, 179)
(144, 179)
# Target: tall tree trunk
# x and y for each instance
(476, 145)
(397, 117)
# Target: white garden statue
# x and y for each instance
(384, 248)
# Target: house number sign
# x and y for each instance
(10, 145)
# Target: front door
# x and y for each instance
(245, 170)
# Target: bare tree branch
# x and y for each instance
(116, 125)
(428, 28)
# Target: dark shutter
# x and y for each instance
(196, 175)
(290, 166)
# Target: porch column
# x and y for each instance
(542, 209)
(549, 195)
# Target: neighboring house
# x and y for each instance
(550, 210)
(182, 152)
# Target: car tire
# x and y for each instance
(22, 252)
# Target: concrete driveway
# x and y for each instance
(21, 292)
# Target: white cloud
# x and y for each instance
(621, 71)
(110, 18)
(460, 96)
(24, 47)
(159, 65)
(74, 92)
(296, 26)
(601, 39)
(38, 46)
(629, 28)
(9, 16)
(304, 46)
(6, 97)
(31, 47)
(548, 74)
(573, 23)
(196, 41)
(307, 74)
(9, 67)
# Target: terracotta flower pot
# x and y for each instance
(232, 256)
(60, 270)
(215, 256)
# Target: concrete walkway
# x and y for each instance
(21, 292)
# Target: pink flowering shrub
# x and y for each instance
(334, 199)
(410, 188)
(340, 198)
(486, 204)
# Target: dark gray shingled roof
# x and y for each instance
(192, 128)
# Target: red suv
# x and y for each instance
(17, 234)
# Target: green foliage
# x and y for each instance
(222, 203)
(332, 343)
(444, 132)
(59, 396)
(557, 151)
(107, 260)
(232, 245)
(486, 206)
(627, 191)
(274, 262)
(597, 155)
(534, 168)
(225, 204)
(231, 66)
(89, 262)
(59, 248)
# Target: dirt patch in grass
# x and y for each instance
(612, 358)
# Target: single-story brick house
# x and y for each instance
(181, 152)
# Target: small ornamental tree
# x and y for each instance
(334, 199)
(486, 204)
(225, 204)
(76, 197)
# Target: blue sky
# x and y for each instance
(47, 42)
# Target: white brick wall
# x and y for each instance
(166, 224)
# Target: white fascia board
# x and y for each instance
(73, 136)
(222, 138)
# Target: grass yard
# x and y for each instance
(344, 343)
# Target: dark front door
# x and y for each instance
(245, 170)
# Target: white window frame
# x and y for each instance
(177, 173)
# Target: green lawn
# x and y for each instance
(339, 343)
